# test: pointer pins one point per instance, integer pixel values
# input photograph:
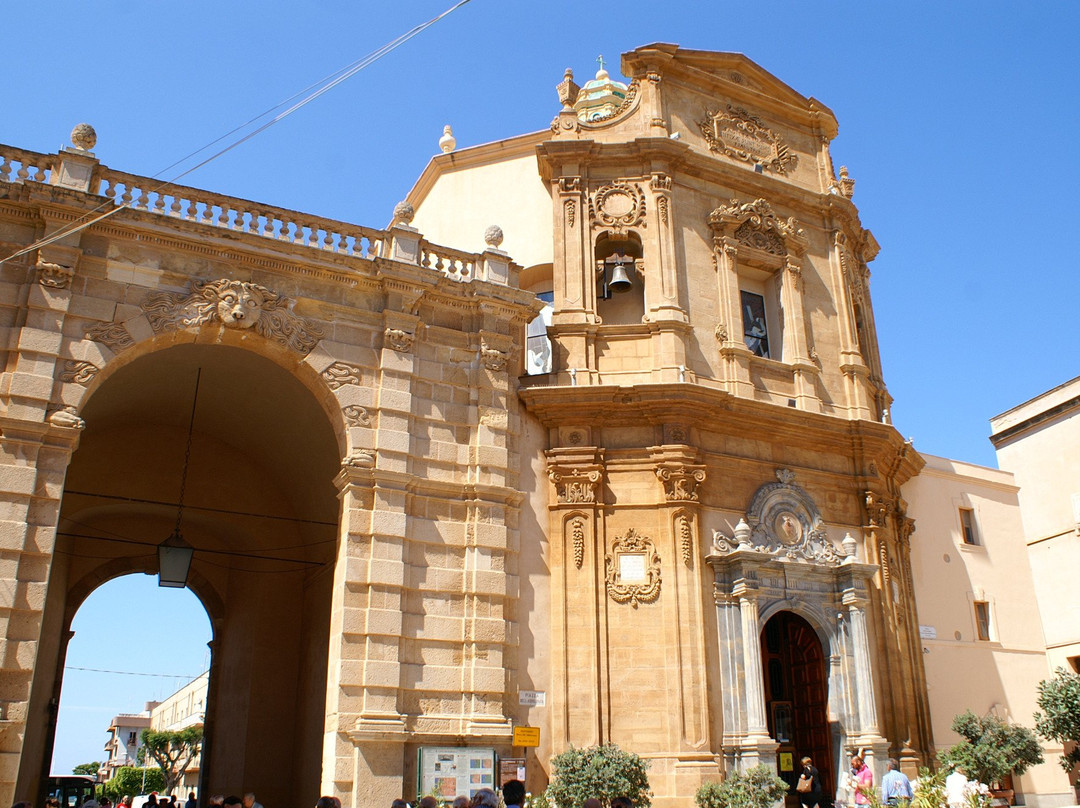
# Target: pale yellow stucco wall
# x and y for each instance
(463, 193)
(964, 673)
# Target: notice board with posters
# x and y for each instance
(455, 771)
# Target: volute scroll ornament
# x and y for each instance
(756, 225)
(234, 304)
(340, 374)
(355, 415)
(633, 570)
(78, 372)
(114, 336)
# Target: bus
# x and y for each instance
(72, 790)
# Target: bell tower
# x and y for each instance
(714, 362)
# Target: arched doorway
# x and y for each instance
(261, 511)
(797, 696)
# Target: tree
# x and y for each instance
(604, 772)
(991, 748)
(173, 751)
(758, 788)
(1058, 718)
(129, 781)
(87, 768)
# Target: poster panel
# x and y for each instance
(455, 771)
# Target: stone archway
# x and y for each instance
(261, 510)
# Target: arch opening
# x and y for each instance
(261, 511)
(797, 698)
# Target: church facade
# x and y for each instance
(631, 479)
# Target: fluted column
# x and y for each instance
(864, 679)
(756, 724)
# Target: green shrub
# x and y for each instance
(128, 781)
(991, 748)
(758, 788)
(604, 772)
(1058, 718)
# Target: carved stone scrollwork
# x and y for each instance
(756, 225)
(721, 333)
(492, 358)
(359, 459)
(783, 522)
(620, 204)
(78, 372)
(681, 482)
(55, 276)
(736, 133)
(234, 304)
(340, 374)
(633, 570)
(577, 534)
(399, 340)
(113, 335)
(877, 509)
(66, 417)
(576, 486)
(355, 415)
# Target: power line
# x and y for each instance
(321, 87)
(133, 673)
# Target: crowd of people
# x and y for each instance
(513, 796)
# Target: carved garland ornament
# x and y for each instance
(577, 533)
(620, 204)
(736, 133)
(686, 539)
(234, 304)
(633, 570)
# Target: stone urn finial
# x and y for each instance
(83, 137)
(447, 142)
(850, 545)
(742, 535)
(493, 236)
(403, 212)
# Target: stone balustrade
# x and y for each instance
(241, 215)
(20, 165)
(231, 213)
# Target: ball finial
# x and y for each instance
(83, 136)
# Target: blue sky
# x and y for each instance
(957, 119)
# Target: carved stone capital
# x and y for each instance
(877, 509)
(234, 304)
(576, 486)
(681, 481)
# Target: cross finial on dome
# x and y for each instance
(600, 59)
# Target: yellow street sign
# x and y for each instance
(526, 736)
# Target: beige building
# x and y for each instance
(184, 708)
(979, 620)
(668, 513)
(125, 738)
(1036, 442)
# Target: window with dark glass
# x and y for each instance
(982, 619)
(755, 332)
(967, 523)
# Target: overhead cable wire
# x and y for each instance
(320, 88)
(133, 673)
